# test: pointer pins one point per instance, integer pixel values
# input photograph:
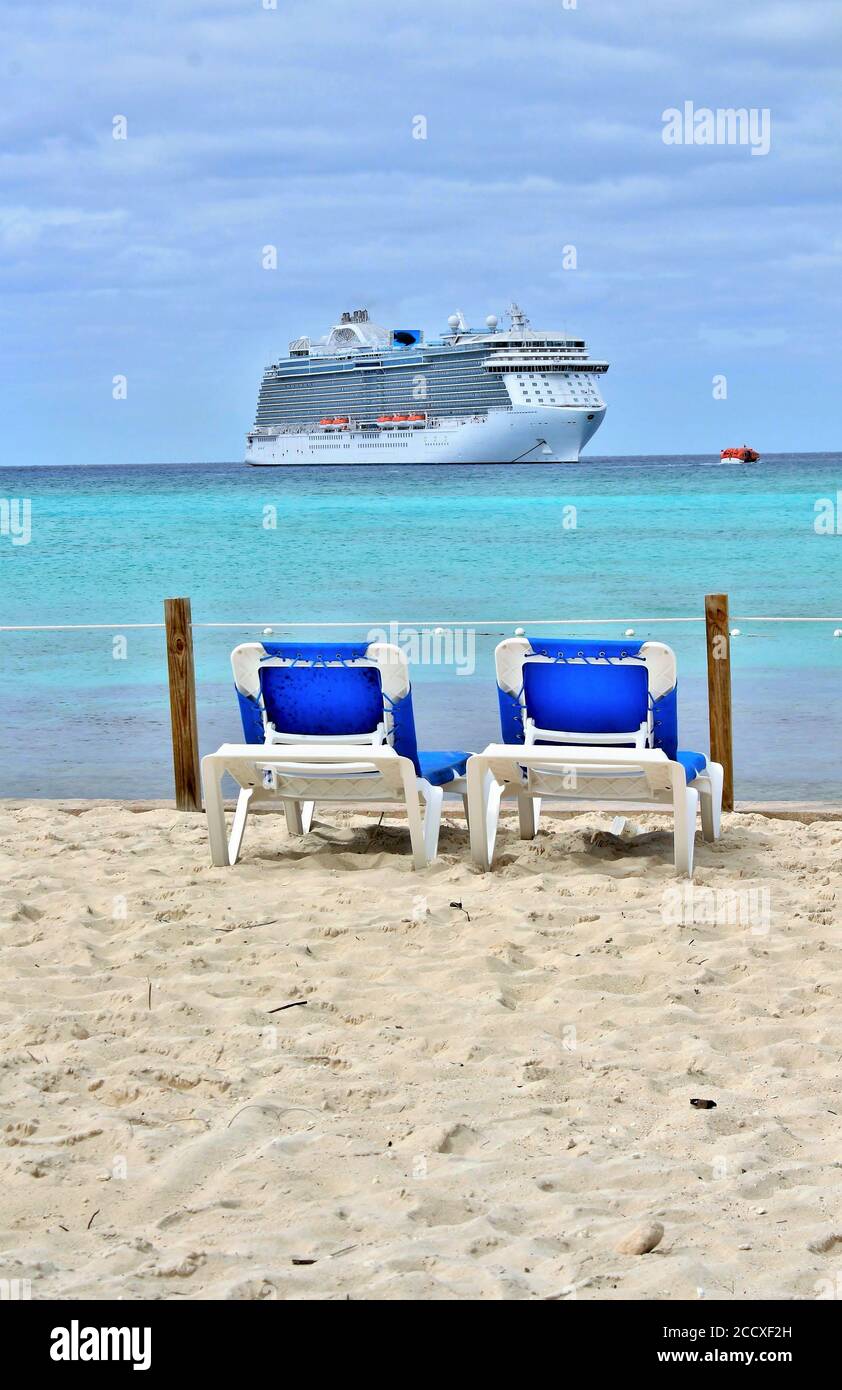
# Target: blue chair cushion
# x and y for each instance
(693, 763)
(442, 766)
(586, 699)
(322, 699)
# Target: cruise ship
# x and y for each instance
(366, 394)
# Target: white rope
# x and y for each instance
(428, 622)
(81, 627)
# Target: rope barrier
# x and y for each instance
(425, 623)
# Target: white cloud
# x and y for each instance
(25, 227)
(743, 339)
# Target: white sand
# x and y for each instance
(463, 1108)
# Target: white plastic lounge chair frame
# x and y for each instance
(295, 771)
(582, 779)
(584, 771)
(305, 773)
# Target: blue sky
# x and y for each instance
(293, 127)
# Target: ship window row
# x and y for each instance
(381, 384)
(295, 371)
(448, 371)
(373, 391)
(542, 376)
(461, 401)
(492, 385)
(494, 391)
(378, 380)
(327, 390)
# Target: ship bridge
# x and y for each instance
(544, 357)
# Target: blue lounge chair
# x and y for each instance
(592, 725)
(327, 723)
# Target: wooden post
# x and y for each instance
(719, 691)
(182, 681)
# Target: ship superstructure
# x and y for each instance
(364, 394)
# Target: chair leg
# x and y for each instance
(466, 808)
(434, 797)
(307, 811)
(685, 806)
(416, 827)
(527, 807)
(484, 794)
(476, 820)
(215, 813)
(494, 795)
(239, 825)
(295, 823)
(710, 796)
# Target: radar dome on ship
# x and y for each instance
(492, 322)
(453, 322)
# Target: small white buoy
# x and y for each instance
(837, 632)
(735, 632)
(520, 632)
(267, 631)
(629, 632)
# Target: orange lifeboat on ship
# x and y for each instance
(385, 419)
(416, 420)
(741, 455)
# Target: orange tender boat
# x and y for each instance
(741, 455)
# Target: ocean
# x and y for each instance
(631, 540)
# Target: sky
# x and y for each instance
(250, 126)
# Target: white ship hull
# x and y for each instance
(555, 434)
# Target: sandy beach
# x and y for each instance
(483, 1082)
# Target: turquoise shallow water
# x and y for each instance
(491, 546)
